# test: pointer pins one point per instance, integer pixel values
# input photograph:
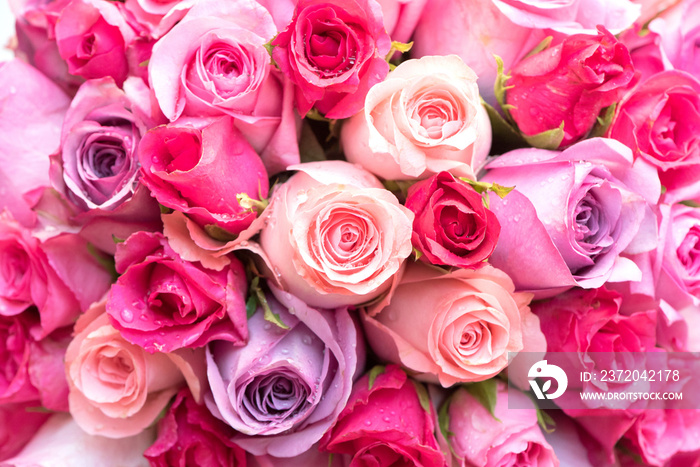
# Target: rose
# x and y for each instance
(15, 352)
(117, 389)
(367, 432)
(570, 16)
(508, 437)
(335, 237)
(334, 53)
(284, 389)
(401, 17)
(645, 51)
(59, 276)
(680, 30)
(425, 118)
(162, 302)
(569, 83)
(92, 37)
(157, 17)
(311, 457)
(578, 209)
(201, 169)
(659, 122)
(32, 106)
(214, 62)
(60, 441)
(17, 426)
(452, 226)
(96, 167)
(475, 319)
(190, 431)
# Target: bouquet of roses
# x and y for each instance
(316, 232)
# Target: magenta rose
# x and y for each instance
(214, 63)
(286, 387)
(452, 226)
(569, 83)
(200, 170)
(335, 236)
(385, 423)
(162, 302)
(508, 437)
(578, 209)
(189, 431)
(17, 427)
(659, 121)
(334, 52)
(92, 37)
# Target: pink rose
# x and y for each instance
(117, 389)
(508, 437)
(645, 50)
(17, 426)
(200, 170)
(61, 441)
(385, 423)
(569, 83)
(311, 457)
(679, 28)
(157, 17)
(286, 387)
(335, 236)
(452, 226)
(476, 318)
(334, 52)
(189, 431)
(59, 276)
(32, 112)
(426, 117)
(578, 209)
(401, 17)
(214, 63)
(162, 302)
(659, 121)
(92, 37)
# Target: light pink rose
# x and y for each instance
(157, 17)
(509, 437)
(117, 389)
(475, 318)
(214, 62)
(334, 235)
(61, 441)
(426, 117)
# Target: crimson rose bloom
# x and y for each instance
(162, 302)
(452, 226)
(384, 423)
(571, 83)
(189, 431)
(333, 52)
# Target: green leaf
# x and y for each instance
(500, 190)
(310, 150)
(505, 135)
(218, 233)
(314, 114)
(539, 47)
(545, 421)
(500, 87)
(603, 121)
(251, 305)
(270, 316)
(116, 239)
(444, 420)
(423, 396)
(164, 209)
(373, 373)
(690, 203)
(550, 139)
(486, 392)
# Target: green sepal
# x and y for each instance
(107, 262)
(117, 240)
(545, 421)
(251, 306)
(500, 87)
(416, 254)
(218, 233)
(603, 121)
(400, 47)
(164, 209)
(423, 396)
(484, 187)
(310, 150)
(690, 203)
(550, 139)
(373, 373)
(444, 420)
(486, 393)
(539, 47)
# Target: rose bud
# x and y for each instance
(92, 36)
(162, 302)
(334, 52)
(214, 63)
(659, 121)
(286, 387)
(117, 389)
(386, 423)
(475, 319)
(189, 431)
(335, 236)
(569, 83)
(508, 437)
(426, 117)
(452, 226)
(578, 210)
(201, 171)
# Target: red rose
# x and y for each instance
(333, 52)
(571, 83)
(452, 226)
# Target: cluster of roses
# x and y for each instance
(219, 215)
